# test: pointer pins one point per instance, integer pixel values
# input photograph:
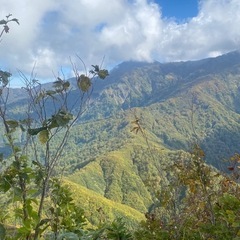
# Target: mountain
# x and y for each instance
(138, 84)
(177, 104)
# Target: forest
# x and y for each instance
(151, 155)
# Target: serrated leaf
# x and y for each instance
(43, 136)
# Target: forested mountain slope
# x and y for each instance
(177, 104)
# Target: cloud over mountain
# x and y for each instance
(51, 31)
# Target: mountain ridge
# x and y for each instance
(177, 104)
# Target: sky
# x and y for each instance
(53, 35)
(178, 10)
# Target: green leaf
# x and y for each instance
(4, 184)
(16, 149)
(12, 123)
(53, 124)
(4, 77)
(44, 221)
(58, 83)
(25, 230)
(2, 231)
(29, 208)
(18, 212)
(66, 85)
(84, 83)
(36, 163)
(103, 74)
(61, 119)
(50, 92)
(35, 131)
(43, 136)
(2, 22)
(96, 68)
(15, 20)
(17, 191)
(61, 85)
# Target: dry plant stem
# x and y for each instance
(2, 33)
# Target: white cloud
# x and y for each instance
(215, 29)
(51, 31)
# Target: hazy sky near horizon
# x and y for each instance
(53, 31)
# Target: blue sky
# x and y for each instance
(180, 10)
(53, 32)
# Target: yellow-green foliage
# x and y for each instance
(115, 177)
(98, 209)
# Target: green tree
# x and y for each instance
(26, 177)
(198, 203)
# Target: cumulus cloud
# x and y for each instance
(51, 31)
(214, 30)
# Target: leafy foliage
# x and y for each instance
(199, 205)
(27, 177)
(5, 24)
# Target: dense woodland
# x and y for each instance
(147, 152)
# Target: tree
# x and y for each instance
(199, 202)
(27, 174)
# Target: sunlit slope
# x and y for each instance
(97, 208)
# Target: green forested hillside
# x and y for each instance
(99, 209)
(177, 102)
(181, 102)
(174, 110)
(176, 105)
